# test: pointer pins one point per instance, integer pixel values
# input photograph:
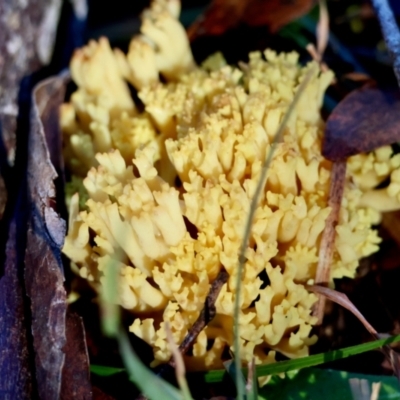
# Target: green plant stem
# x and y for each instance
(305, 362)
(249, 222)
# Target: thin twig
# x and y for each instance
(207, 313)
(325, 254)
(390, 32)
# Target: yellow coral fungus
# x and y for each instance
(212, 130)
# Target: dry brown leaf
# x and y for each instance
(53, 333)
(366, 119)
(344, 301)
(222, 15)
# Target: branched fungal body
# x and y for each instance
(213, 131)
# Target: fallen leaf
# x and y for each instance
(222, 15)
(53, 332)
(344, 301)
(366, 119)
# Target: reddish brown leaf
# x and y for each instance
(222, 15)
(365, 120)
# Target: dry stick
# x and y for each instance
(390, 32)
(207, 313)
(325, 254)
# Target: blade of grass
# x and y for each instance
(249, 222)
(251, 385)
(179, 364)
(110, 313)
(103, 370)
(230, 368)
(291, 365)
(310, 361)
(151, 385)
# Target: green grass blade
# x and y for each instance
(180, 371)
(246, 236)
(310, 361)
(150, 384)
(103, 370)
(110, 312)
(252, 383)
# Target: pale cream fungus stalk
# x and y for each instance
(213, 130)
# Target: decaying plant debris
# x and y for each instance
(58, 354)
